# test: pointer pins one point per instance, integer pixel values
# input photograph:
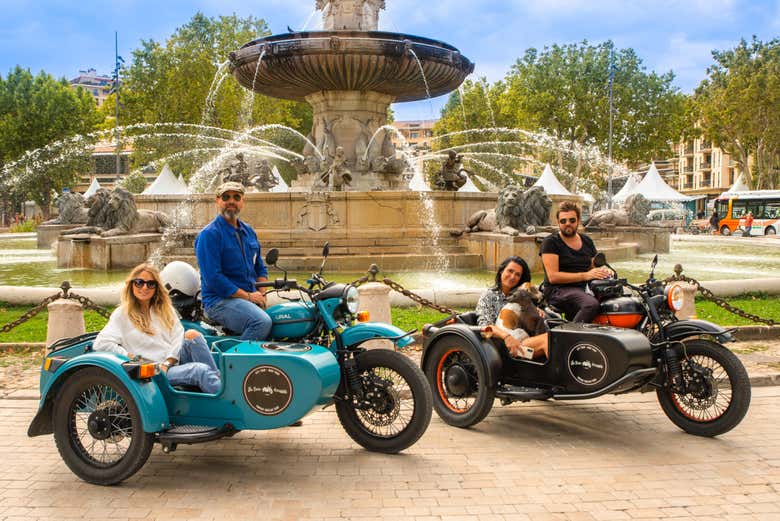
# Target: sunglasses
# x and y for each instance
(227, 197)
(139, 283)
(571, 220)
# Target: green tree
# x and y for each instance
(39, 112)
(134, 183)
(563, 92)
(186, 80)
(739, 108)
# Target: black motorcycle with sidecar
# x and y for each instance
(701, 386)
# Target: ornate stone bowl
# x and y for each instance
(296, 65)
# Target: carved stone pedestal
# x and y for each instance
(105, 253)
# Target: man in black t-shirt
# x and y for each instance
(567, 257)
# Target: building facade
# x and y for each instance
(417, 133)
(95, 84)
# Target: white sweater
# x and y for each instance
(122, 337)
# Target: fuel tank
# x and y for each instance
(620, 312)
(291, 320)
(586, 357)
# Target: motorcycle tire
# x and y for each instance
(390, 424)
(457, 377)
(97, 428)
(723, 399)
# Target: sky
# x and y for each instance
(62, 37)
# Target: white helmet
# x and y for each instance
(180, 277)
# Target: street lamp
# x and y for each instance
(118, 62)
(612, 69)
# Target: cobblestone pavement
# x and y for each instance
(614, 458)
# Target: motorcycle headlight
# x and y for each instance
(674, 297)
(351, 299)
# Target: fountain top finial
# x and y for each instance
(350, 15)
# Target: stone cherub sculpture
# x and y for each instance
(236, 171)
(264, 179)
(337, 177)
(451, 177)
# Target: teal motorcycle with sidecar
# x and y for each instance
(107, 411)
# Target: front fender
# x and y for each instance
(364, 331)
(686, 328)
(147, 396)
(464, 333)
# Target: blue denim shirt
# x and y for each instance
(227, 264)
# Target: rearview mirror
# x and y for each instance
(326, 249)
(272, 256)
(654, 263)
(600, 260)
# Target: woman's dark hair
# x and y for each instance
(525, 277)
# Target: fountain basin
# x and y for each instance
(296, 65)
(105, 253)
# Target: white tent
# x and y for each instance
(469, 186)
(282, 186)
(738, 186)
(166, 183)
(654, 188)
(550, 183)
(182, 181)
(628, 189)
(94, 186)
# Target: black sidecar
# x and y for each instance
(467, 372)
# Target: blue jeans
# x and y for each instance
(241, 316)
(196, 367)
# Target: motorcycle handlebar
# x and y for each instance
(278, 284)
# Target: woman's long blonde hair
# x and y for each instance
(160, 303)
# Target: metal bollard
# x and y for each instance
(375, 298)
(66, 319)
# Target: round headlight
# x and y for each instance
(674, 297)
(352, 299)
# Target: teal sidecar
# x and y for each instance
(106, 412)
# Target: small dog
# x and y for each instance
(519, 317)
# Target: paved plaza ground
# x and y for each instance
(616, 457)
(606, 459)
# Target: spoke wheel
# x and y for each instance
(395, 409)
(457, 377)
(97, 428)
(718, 391)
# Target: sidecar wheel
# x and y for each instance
(714, 404)
(97, 428)
(457, 378)
(396, 410)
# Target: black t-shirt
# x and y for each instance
(569, 260)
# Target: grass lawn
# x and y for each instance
(764, 306)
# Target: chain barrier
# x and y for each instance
(373, 270)
(709, 295)
(64, 293)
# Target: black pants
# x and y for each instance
(575, 303)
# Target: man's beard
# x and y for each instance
(230, 213)
(568, 231)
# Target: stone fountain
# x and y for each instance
(350, 73)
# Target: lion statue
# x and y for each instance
(72, 209)
(515, 210)
(633, 213)
(114, 213)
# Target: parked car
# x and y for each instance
(667, 218)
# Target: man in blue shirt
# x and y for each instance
(230, 263)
